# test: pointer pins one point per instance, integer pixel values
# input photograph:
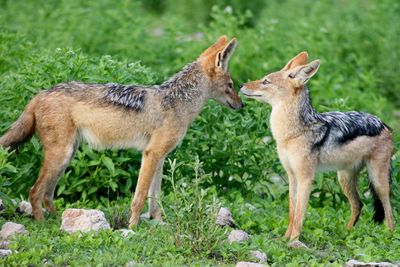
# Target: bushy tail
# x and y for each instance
(379, 212)
(22, 130)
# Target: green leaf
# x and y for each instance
(109, 164)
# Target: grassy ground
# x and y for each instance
(190, 236)
(153, 244)
(43, 43)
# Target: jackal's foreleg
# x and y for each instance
(154, 194)
(304, 176)
(152, 161)
(292, 201)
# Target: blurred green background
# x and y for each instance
(43, 43)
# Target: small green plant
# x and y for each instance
(192, 211)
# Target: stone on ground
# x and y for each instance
(4, 253)
(127, 232)
(238, 236)
(297, 244)
(224, 218)
(9, 229)
(259, 255)
(82, 220)
(25, 207)
(4, 244)
(355, 263)
(249, 264)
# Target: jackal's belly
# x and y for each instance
(345, 157)
(104, 139)
(337, 166)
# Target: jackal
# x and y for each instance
(308, 141)
(153, 119)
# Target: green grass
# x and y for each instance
(43, 43)
(330, 243)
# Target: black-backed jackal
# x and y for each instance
(153, 119)
(308, 141)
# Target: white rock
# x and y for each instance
(10, 229)
(127, 232)
(297, 244)
(266, 139)
(355, 263)
(4, 244)
(367, 194)
(250, 206)
(25, 207)
(198, 36)
(224, 217)
(259, 255)
(131, 264)
(82, 220)
(5, 252)
(238, 236)
(276, 179)
(249, 264)
(158, 32)
(396, 114)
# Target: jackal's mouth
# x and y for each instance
(245, 92)
(234, 107)
(251, 95)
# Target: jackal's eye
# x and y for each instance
(265, 82)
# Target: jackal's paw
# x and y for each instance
(288, 233)
(155, 218)
(147, 216)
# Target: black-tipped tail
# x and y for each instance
(379, 212)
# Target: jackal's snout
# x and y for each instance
(235, 102)
(250, 89)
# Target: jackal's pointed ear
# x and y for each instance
(303, 73)
(300, 59)
(222, 41)
(222, 58)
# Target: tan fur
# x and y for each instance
(61, 118)
(282, 92)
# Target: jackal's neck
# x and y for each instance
(186, 88)
(293, 118)
(307, 115)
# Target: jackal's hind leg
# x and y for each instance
(348, 182)
(379, 173)
(54, 163)
(51, 186)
